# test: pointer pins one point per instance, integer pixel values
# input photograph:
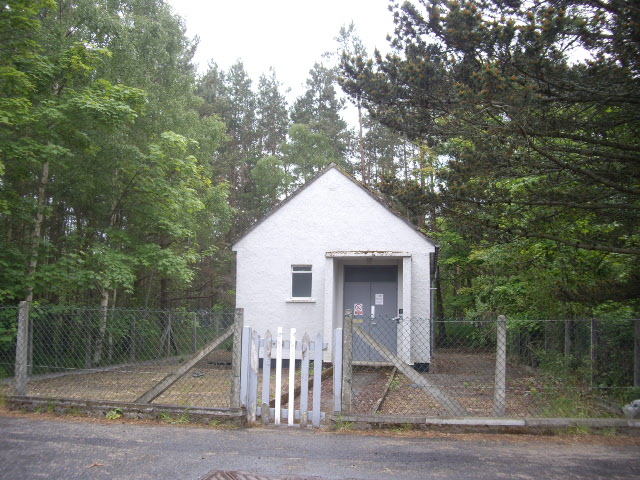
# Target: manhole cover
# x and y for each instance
(226, 475)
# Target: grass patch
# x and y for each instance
(49, 407)
(581, 430)
(74, 411)
(342, 425)
(184, 417)
(609, 432)
(402, 428)
(115, 414)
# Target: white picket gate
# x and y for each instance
(255, 348)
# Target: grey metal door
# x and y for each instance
(371, 292)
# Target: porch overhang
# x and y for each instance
(333, 300)
(366, 253)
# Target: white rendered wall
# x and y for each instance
(332, 214)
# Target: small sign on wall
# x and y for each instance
(379, 298)
(357, 309)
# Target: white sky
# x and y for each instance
(288, 35)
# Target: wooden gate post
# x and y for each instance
(236, 362)
(304, 380)
(317, 379)
(245, 366)
(266, 378)
(292, 376)
(22, 350)
(337, 370)
(252, 377)
(347, 362)
(499, 393)
(278, 409)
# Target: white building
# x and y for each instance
(334, 245)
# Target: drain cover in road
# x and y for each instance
(225, 475)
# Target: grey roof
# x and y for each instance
(370, 192)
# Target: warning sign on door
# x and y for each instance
(357, 309)
(379, 298)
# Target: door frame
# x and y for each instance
(381, 325)
(334, 290)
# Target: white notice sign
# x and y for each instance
(379, 299)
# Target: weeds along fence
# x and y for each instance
(118, 354)
(514, 368)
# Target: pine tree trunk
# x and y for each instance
(361, 145)
(35, 242)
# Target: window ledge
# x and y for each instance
(301, 300)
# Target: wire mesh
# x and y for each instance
(397, 366)
(542, 368)
(120, 355)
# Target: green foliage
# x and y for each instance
(271, 181)
(100, 107)
(537, 177)
(319, 108)
(74, 411)
(183, 418)
(114, 414)
(8, 329)
(308, 151)
(50, 406)
(583, 364)
(342, 425)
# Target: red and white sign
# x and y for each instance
(357, 309)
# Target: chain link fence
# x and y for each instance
(142, 356)
(392, 366)
(513, 368)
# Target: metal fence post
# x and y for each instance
(195, 332)
(132, 338)
(30, 345)
(22, 350)
(236, 358)
(347, 362)
(499, 394)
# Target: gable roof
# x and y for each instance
(333, 166)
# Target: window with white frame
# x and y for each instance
(300, 281)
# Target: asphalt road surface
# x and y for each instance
(66, 448)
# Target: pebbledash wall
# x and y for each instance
(331, 222)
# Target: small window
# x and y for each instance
(300, 281)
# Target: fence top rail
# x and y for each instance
(98, 308)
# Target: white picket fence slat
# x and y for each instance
(255, 348)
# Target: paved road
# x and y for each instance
(65, 449)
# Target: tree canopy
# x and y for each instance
(508, 130)
(533, 103)
(532, 110)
